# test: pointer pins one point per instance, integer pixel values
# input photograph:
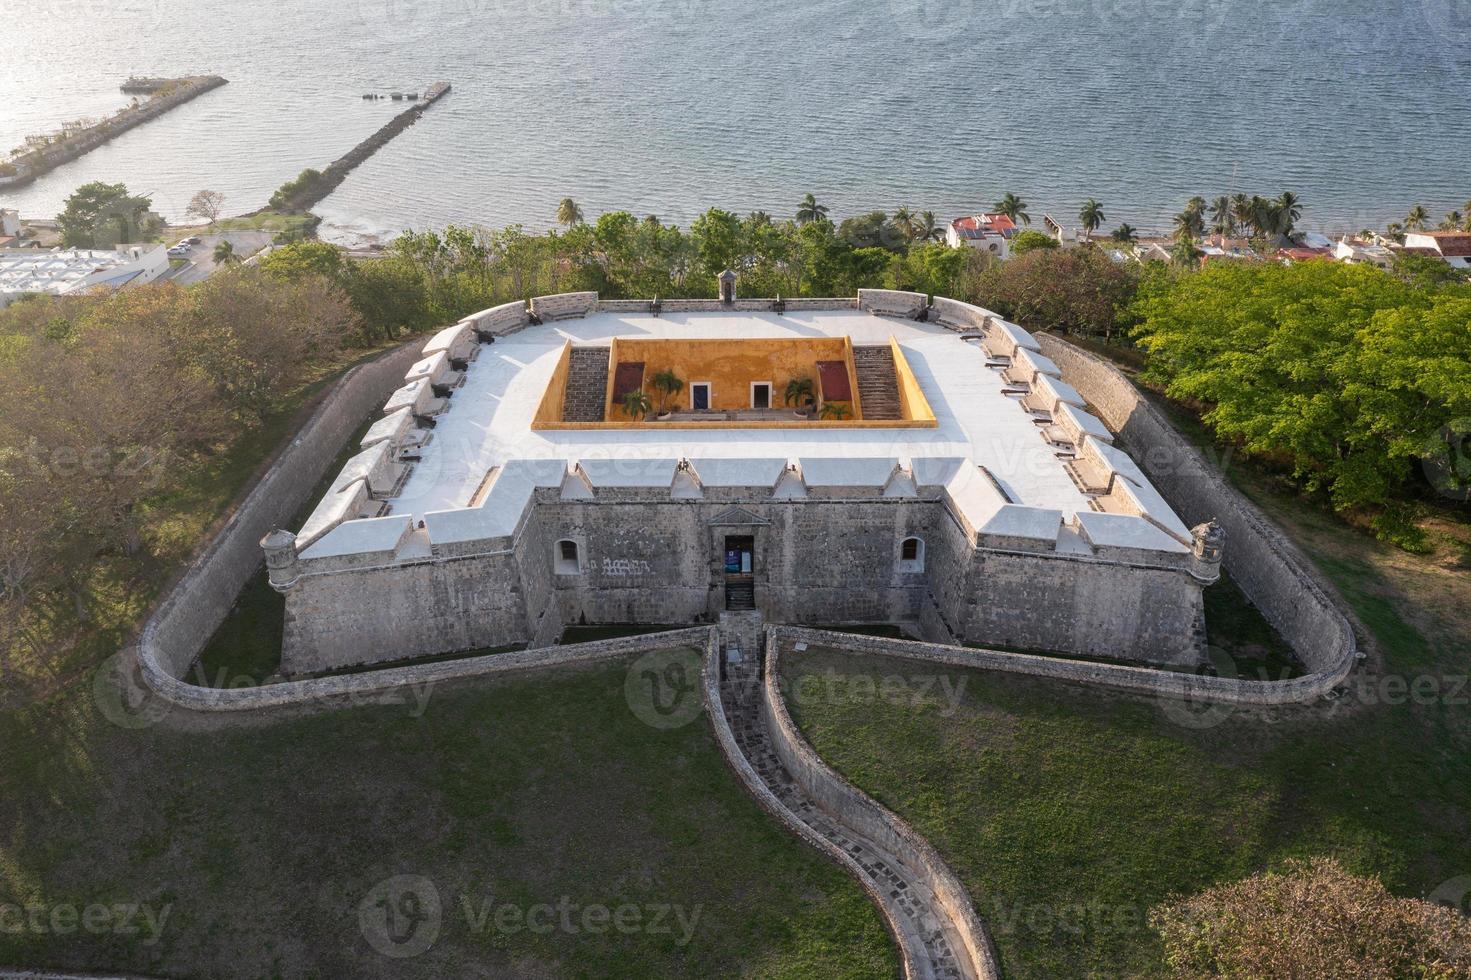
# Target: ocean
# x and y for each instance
(667, 108)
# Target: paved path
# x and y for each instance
(909, 903)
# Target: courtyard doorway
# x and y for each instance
(740, 572)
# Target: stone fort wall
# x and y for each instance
(1270, 570)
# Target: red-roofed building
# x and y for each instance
(1287, 256)
(1452, 246)
(986, 232)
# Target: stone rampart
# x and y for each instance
(499, 320)
(185, 620)
(892, 302)
(564, 306)
(1270, 570)
(864, 814)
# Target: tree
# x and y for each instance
(224, 253)
(1453, 222)
(1014, 208)
(1312, 919)
(1185, 251)
(667, 384)
(1223, 217)
(1125, 234)
(836, 410)
(717, 236)
(1417, 218)
(1287, 209)
(206, 205)
(1189, 224)
(929, 228)
(99, 215)
(1077, 290)
(809, 211)
(568, 213)
(801, 393)
(1091, 215)
(636, 404)
(296, 193)
(1029, 241)
(904, 220)
(871, 230)
(1344, 373)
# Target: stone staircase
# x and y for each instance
(911, 905)
(878, 382)
(587, 385)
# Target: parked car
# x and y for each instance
(178, 251)
(192, 240)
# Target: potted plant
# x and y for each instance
(668, 384)
(801, 393)
(636, 405)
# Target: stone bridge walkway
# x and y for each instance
(910, 905)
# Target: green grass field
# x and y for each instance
(263, 835)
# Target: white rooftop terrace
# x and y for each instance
(488, 420)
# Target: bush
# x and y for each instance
(1313, 920)
(1032, 240)
(1079, 290)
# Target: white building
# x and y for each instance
(9, 223)
(1356, 252)
(1452, 246)
(65, 271)
(983, 232)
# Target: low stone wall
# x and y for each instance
(564, 306)
(499, 320)
(960, 316)
(1269, 569)
(753, 784)
(858, 810)
(350, 689)
(892, 302)
(185, 620)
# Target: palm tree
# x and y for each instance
(1189, 224)
(225, 253)
(1091, 216)
(1196, 205)
(836, 410)
(1452, 222)
(1185, 252)
(1014, 208)
(667, 384)
(1396, 231)
(758, 219)
(908, 227)
(1415, 220)
(1223, 217)
(1125, 234)
(1288, 209)
(568, 213)
(800, 393)
(809, 211)
(929, 228)
(636, 404)
(1241, 209)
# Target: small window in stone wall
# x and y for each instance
(911, 555)
(566, 558)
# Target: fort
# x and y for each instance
(875, 460)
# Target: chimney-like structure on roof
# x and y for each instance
(727, 288)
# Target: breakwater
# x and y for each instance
(31, 164)
(312, 186)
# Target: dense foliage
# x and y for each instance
(1079, 290)
(99, 215)
(1348, 374)
(1314, 920)
(109, 401)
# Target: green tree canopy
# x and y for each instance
(99, 215)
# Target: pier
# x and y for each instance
(308, 190)
(27, 164)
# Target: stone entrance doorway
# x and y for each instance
(740, 571)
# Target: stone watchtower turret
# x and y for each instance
(281, 566)
(727, 288)
(1208, 549)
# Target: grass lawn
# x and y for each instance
(1069, 812)
(262, 836)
